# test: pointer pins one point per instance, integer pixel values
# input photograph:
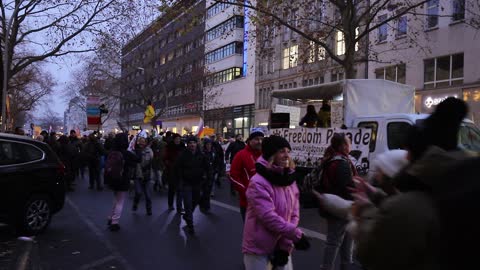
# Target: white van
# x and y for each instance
(389, 133)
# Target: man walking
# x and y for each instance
(243, 167)
(93, 153)
(191, 169)
(232, 149)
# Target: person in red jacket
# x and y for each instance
(243, 167)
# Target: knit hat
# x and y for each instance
(439, 129)
(272, 144)
(255, 134)
(191, 139)
(391, 162)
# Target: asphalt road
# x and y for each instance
(78, 237)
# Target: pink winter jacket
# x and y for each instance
(272, 216)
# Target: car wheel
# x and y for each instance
(36, 215)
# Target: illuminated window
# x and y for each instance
(340, 48)
(290, 57)
(443, 71)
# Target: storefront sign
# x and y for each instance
(309, 144)
(430, 101)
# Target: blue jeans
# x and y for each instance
(338, 241)
(191, 198)
(143, 187)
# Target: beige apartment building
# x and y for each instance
(435, 50)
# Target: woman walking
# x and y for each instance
(271, 226)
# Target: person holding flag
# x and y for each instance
(149, 113)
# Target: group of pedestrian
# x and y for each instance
(413, 214)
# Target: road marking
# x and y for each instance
(307, 232)
(97, 263)
(115, 253)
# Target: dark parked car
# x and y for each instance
(32, 187)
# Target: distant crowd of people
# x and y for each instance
(415, 213)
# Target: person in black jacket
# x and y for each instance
(93, 153)
(191, 168)
(213, 162)
(234, 148)
(120, 186)
(66, 153)
(310, 119)
(337, 179)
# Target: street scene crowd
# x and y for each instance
(412, 211)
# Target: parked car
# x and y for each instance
(32, 183)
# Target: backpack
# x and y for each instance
(315, 181)
(114, 165)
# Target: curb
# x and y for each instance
(25, 255)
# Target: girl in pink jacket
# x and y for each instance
(271, 231)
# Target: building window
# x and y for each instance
(226, 26)
(336, 77)
(188, 47)
(223, 52)
(383, 29)
(432, 13)
(315, 53)
(163, 60)
(188, 68)
(402, 26)
(178, 52)
(170, 56)
(340, 43)
(443, 71)
(224, 76)
(290, 57)
(458, 10)
(392, 73)
(216, 8)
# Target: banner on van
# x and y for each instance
(309, 144)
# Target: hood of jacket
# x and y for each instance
(435, 163)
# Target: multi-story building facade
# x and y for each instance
(435, 51)
(164, 65)
(230, 64)
(442, 62)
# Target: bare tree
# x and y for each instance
(48, 119)
(27, 89)
(54, 28)
(321, 23)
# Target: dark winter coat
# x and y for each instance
(159, 149)
(233, 149)
(93, 151)
(131, 160)
(310, 120)
(191, 168)
(414, 229)
(213, 162)
(339, 176)
(172, 153)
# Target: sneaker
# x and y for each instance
(114, 227)
(135, 207)
(149, 212)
